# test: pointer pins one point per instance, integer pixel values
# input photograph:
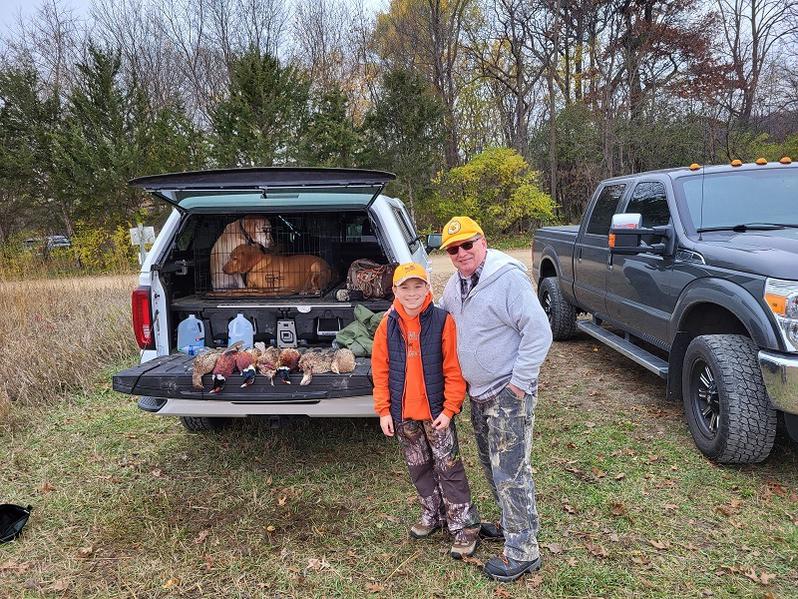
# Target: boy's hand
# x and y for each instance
(441, 422)
(386, 424)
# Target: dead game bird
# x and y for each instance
(203, 364)
(225, 366)
(343, 361)
(288, 362)
(246, 366)
(267, 363)
(315, 362)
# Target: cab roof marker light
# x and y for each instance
(785, 160)
(761, 161)
(695, 166)
(736, 162)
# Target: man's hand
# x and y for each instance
(386, 424)
(441, 422)
(519, 393)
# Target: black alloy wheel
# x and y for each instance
(560, 312)
(704, 398)
(546, 303)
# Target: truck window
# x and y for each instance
(407, 230)
(606, 204)
(649, 200)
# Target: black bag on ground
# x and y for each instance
(12, 520)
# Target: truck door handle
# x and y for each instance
(579, 254)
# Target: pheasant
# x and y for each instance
(203, 364)
(267, 363)
(315, 362)
(288, 362)
(246, 366)
(343, 361)
(225, 366)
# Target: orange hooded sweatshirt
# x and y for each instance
(414, 403)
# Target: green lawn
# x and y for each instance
(130, 505)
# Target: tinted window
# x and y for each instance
(605, 207)
(407, 230)
(749, 196)
(649, 200)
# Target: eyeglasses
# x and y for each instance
(452, 251)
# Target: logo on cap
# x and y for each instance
(454, 227)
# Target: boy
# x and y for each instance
(418, 388)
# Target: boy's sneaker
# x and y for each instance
(465, 542)
(421, 530)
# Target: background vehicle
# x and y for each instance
(338, 214)
(692, 273)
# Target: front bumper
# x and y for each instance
(341, 407)
(780, 374)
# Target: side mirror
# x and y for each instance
(434, 241)
(628, 237)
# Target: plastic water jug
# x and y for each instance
(190, 335)
(240, 329)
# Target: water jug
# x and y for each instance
(240, 329)
(190, 335)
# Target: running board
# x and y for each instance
(647, 360)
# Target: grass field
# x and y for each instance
(130, 505)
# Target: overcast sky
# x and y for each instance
(10, 9)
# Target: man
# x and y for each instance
(503, 336)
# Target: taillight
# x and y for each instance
(142, 317)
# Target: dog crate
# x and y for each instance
(279, 255)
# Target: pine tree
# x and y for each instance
(330, 137)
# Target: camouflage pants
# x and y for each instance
(503, 429)
(437, 472)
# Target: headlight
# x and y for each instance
(782, 297)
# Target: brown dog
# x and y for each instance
(284, 275)
(252, 229)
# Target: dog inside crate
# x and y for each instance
(284, 255)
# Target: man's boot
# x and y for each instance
(507, 569)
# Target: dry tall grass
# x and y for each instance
(57, 334)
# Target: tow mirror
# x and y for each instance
(628, 236)
(434, 241)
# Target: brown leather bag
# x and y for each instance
(373, 280)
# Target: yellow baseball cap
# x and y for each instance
(460, 228)
(409, 270)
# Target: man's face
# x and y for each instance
(411, 293)
(465, 260)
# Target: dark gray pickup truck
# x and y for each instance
(693, 274)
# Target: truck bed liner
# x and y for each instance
(170, 376)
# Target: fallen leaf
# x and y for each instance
(317, 564)
(596, 550)
(671, 507)
(569, 508)
(535, 581)
(618, 509)
(59, 585)
(375, 587)
(157, 473)
(572, 562)
(501, 592)
(203, 534)
(86, 551)
(777, 489)
(473, 560)
(208, 559)
(641, 560)
(14, 566)
(659, 544)
(47, 487)
(554, 548)
(598, 473)
(620, 476)
(172, 582)
(282, 499)
(270, 528)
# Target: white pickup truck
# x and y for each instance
(339, 215)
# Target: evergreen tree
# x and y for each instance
(330, 138)
(404, 133)
(259, 123)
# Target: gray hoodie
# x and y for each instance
(503, 333)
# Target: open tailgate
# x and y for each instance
(170, 377)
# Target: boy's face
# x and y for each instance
(411, 293)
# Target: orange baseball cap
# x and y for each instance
(410, 270)
(460, 228)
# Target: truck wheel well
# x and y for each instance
(547, 269)
(701, 319)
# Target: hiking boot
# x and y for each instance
(465, 542)
(507, 569)
(488, 531)
(421, 530)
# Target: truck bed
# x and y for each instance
(170, 377)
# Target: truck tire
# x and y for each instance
(561, 313)
(201, 424)
(725, 402)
